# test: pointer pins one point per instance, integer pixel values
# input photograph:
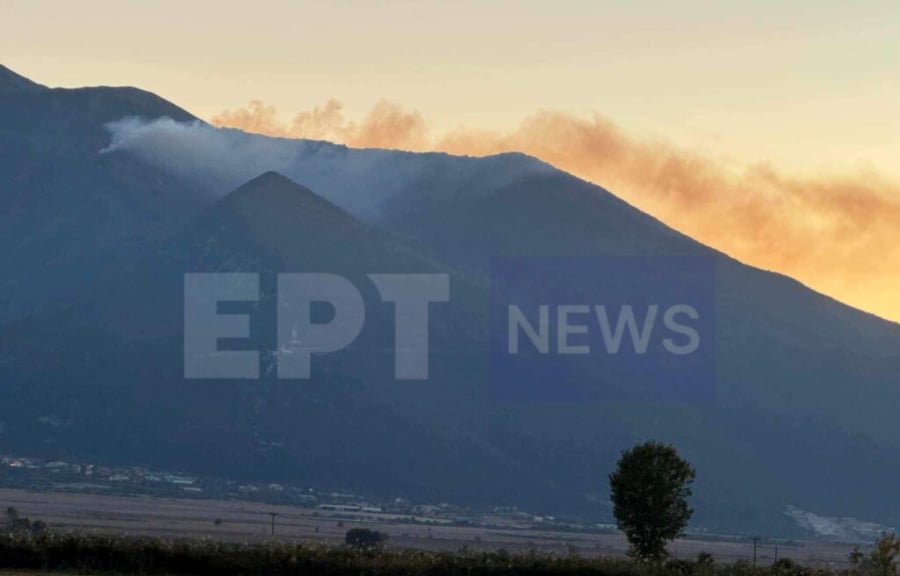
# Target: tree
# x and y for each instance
(364, 538)
(882, 561)
(38, 527)
(649, 491)
(15, 522)
(12, 516)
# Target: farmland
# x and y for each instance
(238, 521)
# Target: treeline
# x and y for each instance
(17, 523)
(50, 552)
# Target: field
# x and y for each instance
(251, 522)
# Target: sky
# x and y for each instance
(770, 130)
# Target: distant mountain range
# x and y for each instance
(93, 251)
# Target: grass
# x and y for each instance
(54, 553)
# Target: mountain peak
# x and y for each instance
(272, 199)
(272, 178)
(272, 187)
(12, 82)
(287, 221)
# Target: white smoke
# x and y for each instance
(361, 181)
(218, 158)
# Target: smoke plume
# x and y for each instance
(841, 235)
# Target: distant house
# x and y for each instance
(179, 480)
(340, 507)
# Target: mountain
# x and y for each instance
(67, 212)
(11, 82)
(802, 423)
(806, 391)
(117, 364)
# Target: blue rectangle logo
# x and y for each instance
(595, 329)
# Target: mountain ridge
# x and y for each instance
(11, 81)
(68, 212)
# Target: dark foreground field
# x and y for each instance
(105, 534)
(250, 522)
(72, 553)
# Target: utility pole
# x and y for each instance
(755, 542)
(273, 515)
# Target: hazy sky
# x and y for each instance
(808, 84)
(811, 88)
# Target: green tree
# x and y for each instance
(649, 491)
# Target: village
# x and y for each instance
(30, 473)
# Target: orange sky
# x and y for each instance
(768, 130)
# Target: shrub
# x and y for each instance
(882, 561)
(787, 567)
(364, 538)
